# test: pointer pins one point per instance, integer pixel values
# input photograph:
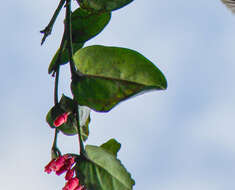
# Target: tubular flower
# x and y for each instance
(48, 167)
(73, 184)
(69, 175)
(61, 119)
(60, 165)
(66, 166)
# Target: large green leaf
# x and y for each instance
(70, 127)
(111, 75)
(103, 171)
(103, 5)
(86, 25)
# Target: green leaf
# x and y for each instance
(85, 119)
(103, 171)
(67, 104)
(86, 25)
(64, 56)
(70, 127)
(112, 146)
(103, 5)
(111, 75)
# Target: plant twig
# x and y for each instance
(56, 85)
(48, 28)
(55, 152)
(54, 148)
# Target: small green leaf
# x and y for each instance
(112, 146)
(64, 56)
(67, 104)
(111, 75)
(70, 127)
(103, 171)
(103, 5)
(85, 129)
(86, 25)
(85, 119)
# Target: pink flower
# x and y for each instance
(60, 165)
(80, 188)
(66, 166)
(72, 184)
(61, 119)
(69, 175)
(48, 167)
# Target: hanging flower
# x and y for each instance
(69, 175)
(60, 165)
(73, 184)
(64, 164)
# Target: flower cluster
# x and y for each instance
(64, 164)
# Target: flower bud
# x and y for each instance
(72, 184)
(61, 119)
(69, 175)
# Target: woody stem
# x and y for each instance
(72, 67)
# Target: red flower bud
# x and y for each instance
(69, 174)
(61, 119)
(59, 163)
(80, 188)
(72, 184)
(48, 167)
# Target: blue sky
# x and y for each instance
(179, 139)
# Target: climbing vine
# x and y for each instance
(101, 77)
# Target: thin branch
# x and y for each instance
(55, 152)
(48, 29)
(56, 85)
(54, 148)
(55, 139)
